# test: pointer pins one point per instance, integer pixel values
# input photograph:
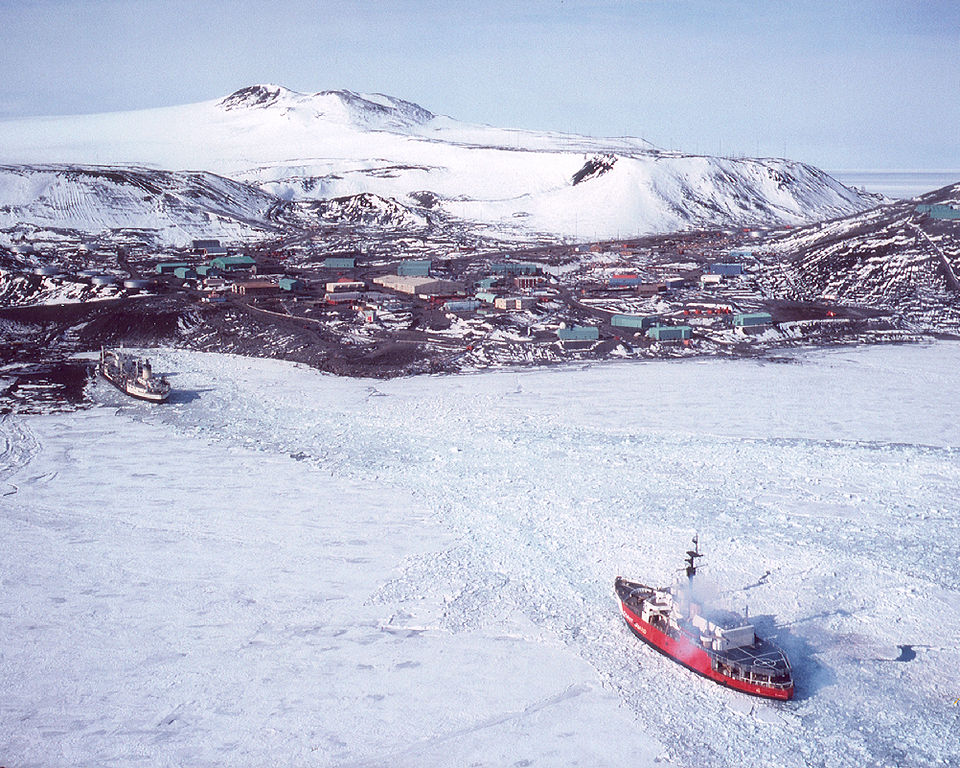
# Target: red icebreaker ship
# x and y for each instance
(722, 647)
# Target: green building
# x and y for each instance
(578, 333)
(171, 266)
(670, 332)
(634, 321)
(939, 211)
(232, 263)
(752, 319)
(414, 268)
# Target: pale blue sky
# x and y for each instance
(858, 84)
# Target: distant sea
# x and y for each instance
(897, 183)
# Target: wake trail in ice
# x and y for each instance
(19, 446)
(396, 758)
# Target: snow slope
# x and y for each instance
(338, 143)
(175, 207)
(285, 567)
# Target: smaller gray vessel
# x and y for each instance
(132, 375)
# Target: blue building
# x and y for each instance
(209, 247)
(465, 305)
(515, 268)
(726, 270)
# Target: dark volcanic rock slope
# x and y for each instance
(894, 257)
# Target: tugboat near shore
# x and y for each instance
(132, 375)
(721, 646)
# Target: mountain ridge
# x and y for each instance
(513, 184)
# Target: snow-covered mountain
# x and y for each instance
(515, 182)
(176, 205)
(170, 208)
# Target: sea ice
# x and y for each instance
(285, 567)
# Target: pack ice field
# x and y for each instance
(280, 566)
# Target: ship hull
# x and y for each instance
(694, 658)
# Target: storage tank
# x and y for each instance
(138, 284)
(103, 280)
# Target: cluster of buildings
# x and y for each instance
(654, 327)
(508, 288)
(643, 287)
(502, 285)
(664, 327)
(512, 285)
(712, 275)
(412, 278)
(222, 272)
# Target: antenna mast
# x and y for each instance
(692, 555)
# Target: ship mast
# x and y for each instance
(691, 559)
